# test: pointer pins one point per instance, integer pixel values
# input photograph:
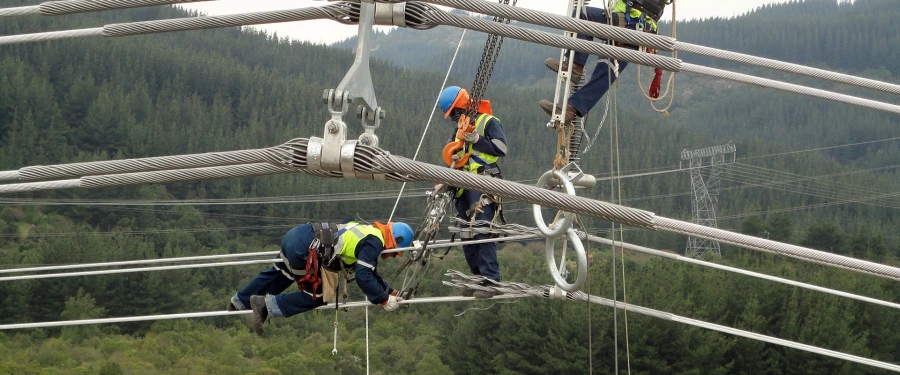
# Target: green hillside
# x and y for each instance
(97, 99)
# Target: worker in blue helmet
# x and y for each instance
(318, 258)
(626, 14)
(484, 146)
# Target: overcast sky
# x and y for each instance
(330, 31)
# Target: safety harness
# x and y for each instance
(322, 254)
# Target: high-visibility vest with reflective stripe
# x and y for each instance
(353, 233)
(480, 125)
(621, 7)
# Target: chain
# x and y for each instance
(489, 58)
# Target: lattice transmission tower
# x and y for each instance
(705, 192)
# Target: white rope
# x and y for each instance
(430, 117)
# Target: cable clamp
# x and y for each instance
(333, 152)
(556, 293)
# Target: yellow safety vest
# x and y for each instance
(472, 166)
(348, 240)
(621, 7)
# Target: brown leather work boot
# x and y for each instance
(577, 69)
(571, 112)
(260, 313)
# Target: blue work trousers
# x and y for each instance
(271, 283)
(276, 279)
(587, 97)
(482, 258)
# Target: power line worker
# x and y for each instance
(315, 256)
(484, 145)
(641, 12)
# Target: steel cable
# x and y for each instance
(340, 12)
(56, 8)
(20, 11)
(790, 87)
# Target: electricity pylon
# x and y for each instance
(705, 193)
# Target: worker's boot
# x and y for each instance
(577, 69)
(231, 307)
(468, 292)
(260, 313)
(483, 294)
(570, 112)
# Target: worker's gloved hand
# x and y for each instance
(392, 303)
(472, 137)
(395, 292)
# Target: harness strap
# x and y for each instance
(312, 270)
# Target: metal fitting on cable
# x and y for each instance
(556, 293)
(390, 14)
(333, 152)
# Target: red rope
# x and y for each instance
(655, 86)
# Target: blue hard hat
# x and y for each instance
(403, 234)
(449, 99)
